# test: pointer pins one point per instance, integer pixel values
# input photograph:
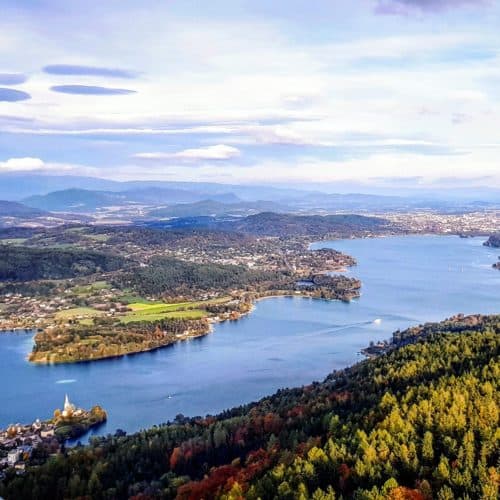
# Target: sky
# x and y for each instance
(376, 92)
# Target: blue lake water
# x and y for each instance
(285, 342)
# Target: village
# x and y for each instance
(54, 303)
(478, 223)
(17, 443)
(20, 443)
(26, 312)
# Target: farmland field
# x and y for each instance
(75, 312)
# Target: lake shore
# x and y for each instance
(283, 343)
(188, 335)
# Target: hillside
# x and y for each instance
(273, 224)
(159, 195)
(18, 210)
(420, 422)
(19, 263)
(180, 202)
(212, 208)
(74, 200)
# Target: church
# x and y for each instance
(69, 409)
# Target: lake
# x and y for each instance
(284, 342)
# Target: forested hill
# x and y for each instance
(18, 263)
(274, 224)
(14, 209)
(214, 208)
(420, 422)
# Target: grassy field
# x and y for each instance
(92, 287)
(134, 299)
(97, 237)
(141, 316)
(160, 307)
(155, 311)
(75, 312)
(141, 310)
(86, 322)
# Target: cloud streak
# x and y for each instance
(12, 78)
(405, 7)
(89, 90)
(219, 152)
(75, 69)
(12, 95)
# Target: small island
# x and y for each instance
(494, 242)
(29, 443)
(72, 422)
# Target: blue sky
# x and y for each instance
(253, 91)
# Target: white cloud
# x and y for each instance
(29, 164)
(217, 152)
(22, 165)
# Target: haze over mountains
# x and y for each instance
(28, 197)
(17, 187)
(13, 214)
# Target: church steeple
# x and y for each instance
(69, 408)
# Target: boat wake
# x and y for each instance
(66, 381)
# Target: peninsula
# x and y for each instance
(99, 292)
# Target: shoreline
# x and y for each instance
(16, 330)
(212, 322)
(210, 330)
(212, 327)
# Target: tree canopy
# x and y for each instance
(419, 422)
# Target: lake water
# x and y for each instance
(285, 342)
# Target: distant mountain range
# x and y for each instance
(13, 214)
(16, 187)
(360, 202)
(84, 200)
(70, 194)
(74, 200)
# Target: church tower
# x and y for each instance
(69, 408)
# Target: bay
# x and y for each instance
(284, 342)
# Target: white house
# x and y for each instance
(14, 456)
